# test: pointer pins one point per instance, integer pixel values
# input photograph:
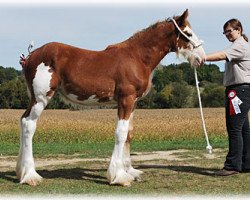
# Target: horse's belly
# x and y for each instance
(92, 100)
(94, 93)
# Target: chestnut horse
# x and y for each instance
(120, 73)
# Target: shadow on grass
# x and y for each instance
(9, 176)
(187, 169)
(93, 174)
(76, 174)
(73, 173)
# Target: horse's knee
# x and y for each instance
(130, 136)
(29, 119)
(28, 126)
(130, 128)
(36, 110)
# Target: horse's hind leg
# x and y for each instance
(25, 168)
(40, 95)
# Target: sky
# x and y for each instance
(98, 23)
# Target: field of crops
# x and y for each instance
(99, 125)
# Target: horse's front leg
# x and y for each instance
(126, 155)
(117, 171)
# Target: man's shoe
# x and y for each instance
(226, 172)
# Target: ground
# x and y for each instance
(174, 172)
(8, 163)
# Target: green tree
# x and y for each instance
(188, 73)
(2, 75)
(164, 99)
(180, 95)
(166, 75)
(213, 95)
(148, 101)
(210, 73)
(10, 73)
(174, 95)
(159, 80)
(13, 94)
(7, 74)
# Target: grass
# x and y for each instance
(90, 134)
(191, 174)
(104, 149)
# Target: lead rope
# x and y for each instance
(209, 147)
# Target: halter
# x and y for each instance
(185, 35)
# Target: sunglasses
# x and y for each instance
(228, 31)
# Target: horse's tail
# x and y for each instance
(23, 59)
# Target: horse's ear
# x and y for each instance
(181, 21)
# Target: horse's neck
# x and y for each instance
(153, 45)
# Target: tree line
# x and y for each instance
(173, 87)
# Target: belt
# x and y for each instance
(243, 85)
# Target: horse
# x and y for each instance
(121, 73)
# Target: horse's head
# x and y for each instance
(187, 43)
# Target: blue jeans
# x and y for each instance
(238, 157)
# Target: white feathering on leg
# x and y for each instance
(116, 171)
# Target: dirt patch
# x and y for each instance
(8, 163)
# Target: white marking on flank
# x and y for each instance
(41, 83)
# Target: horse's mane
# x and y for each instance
(140, 33)
(151, 27)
